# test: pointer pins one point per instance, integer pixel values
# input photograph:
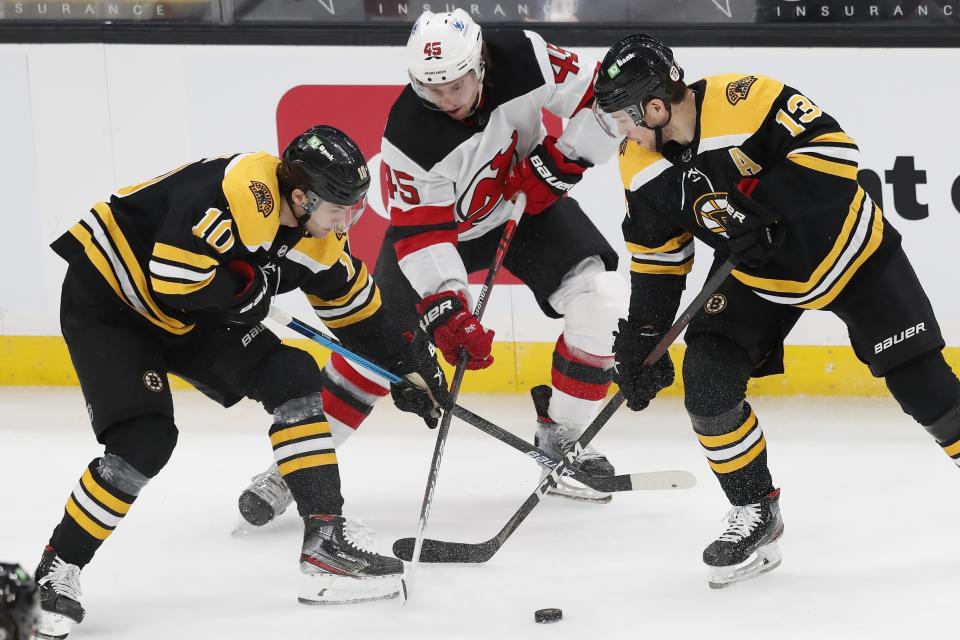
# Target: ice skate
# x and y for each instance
(748, 546)
(59, 585)
(338, 569)
(264, 499)
(555, 439)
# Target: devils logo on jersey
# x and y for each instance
(485, 190)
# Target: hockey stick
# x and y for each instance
(632, 482)
(511, 226)
(440, 551)
(644, 481)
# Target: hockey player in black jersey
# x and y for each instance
(175, 275)
(760, 173)
(463, 137)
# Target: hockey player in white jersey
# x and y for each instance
(461, 140)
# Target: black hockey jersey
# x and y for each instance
(751, 125)
(162, 245)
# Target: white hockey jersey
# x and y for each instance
(444, 178)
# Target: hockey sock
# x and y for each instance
(946, 431)
(580, 383)
(349, 394)
(304, 452)
(98, 503)
(737, 452)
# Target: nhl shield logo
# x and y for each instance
(263, 197)
(738, 89)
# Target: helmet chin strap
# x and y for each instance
(311, 203)
(658, 130)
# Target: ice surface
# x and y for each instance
(869, 502)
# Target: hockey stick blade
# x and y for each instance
(645, 481)
(650, 480)
(439, 551)
(462, 552)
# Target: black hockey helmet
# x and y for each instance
(327, 162)
(635, 70)
(19, 603)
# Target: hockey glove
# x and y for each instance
(639, 384)
(447, 320)
(252, 302)
(424, 392)
(753, 232)
(545, 176)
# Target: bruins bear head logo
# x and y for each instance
(710, 211)
(263, 197)
(738, 89)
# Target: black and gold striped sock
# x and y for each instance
(946, 431)
(737, 453)
(93, 511)
(307, 460)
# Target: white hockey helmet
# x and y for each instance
(442, 48)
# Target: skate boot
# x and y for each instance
(59, 586)
(338, 569)
(748, 546)
(266, 498)
(556, 439)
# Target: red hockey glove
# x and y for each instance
(446, 318)
(545, 176)
(252, 303)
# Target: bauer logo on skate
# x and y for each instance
(906, 334)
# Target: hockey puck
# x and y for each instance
(546, 616)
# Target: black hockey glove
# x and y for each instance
(639, 384)
(753, 232)
(424, 391)
(259, 286)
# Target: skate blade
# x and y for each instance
(52, 626)
(578, 492)
(764, 560)
(323, 589)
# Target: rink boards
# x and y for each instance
(79, 121)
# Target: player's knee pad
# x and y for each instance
(926, 387)
(590, 316)
(144, 443)
(715, 374)
(285, 374)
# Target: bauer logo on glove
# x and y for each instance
(446, 318)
